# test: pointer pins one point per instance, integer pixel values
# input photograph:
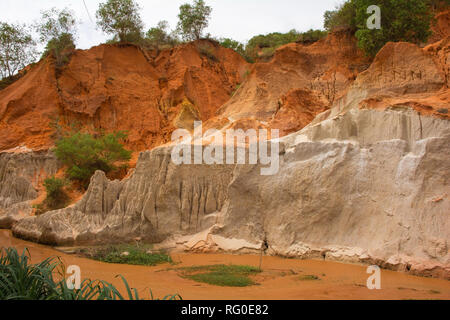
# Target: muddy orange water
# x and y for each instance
(280, 278)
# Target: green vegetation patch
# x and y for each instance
(127, 254)
(408, 21)
(221, 275)
(84, 153)
(56, 198)
(20, 280)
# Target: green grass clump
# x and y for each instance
(221, 275)
(129, 254)
(20, 280)
(84, 153)
(309, 277)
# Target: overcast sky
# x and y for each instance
(237, 19)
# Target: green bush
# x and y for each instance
(232, 44)
(160, 37)
(56, 196)
(84, 153)
(58, 29)
(135, 38)
(20, 280)
(120, 18)
(128, 254)
(271, 41)
(264, 46)
(312, 36)
(408, 21)
(17, 49)
(401, 20)
(60, 48)
(193, 19)
(236, 46)
(344, 16)
(6, 82)
(221, 275)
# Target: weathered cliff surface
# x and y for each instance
(366, 180)
(21, 174)
(405, 76)
(113, 87)
(159, 199)
(300, 82)
(348, 188)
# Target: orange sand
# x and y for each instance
(279, 280)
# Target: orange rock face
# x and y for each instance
(406, 76)
(27, 107)
(300, 82)
(115, 88)
(122, 87)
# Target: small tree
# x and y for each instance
(120, 18)
(56, 196)
(232, 44)
(84, 154)
(312, 36)
(56, 23)
(344, 16)
(160, 35)
(193, 19)
(264, 46)
(401, 20)
(58, 29)
(17, 49)
(408, 21)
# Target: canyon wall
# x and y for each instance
(21, 175)
(364, 171)
(119, 87)
(347, 189)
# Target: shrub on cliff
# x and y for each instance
(401, 20)
(17, 49)
(264, 46)
(312, 36)
(58, 29)
(408, 21)
(120, 18)
(236, 46)
(193, 19)
(161, 36)
(84, 153)
(56, 196)
(344, 16)
(61, 48)
(232, 44)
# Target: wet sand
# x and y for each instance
(280, 279)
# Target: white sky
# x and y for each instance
(237, 19)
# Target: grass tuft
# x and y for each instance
(221, 275)
(20, 280)
(127, 254)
